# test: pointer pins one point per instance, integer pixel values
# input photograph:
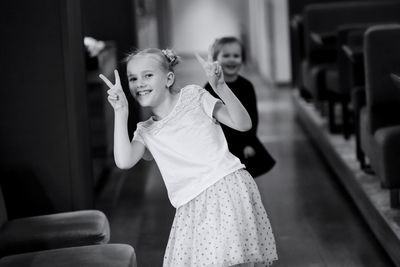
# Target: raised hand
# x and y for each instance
(212, 69)
(116, 96)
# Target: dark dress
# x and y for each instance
(237, 141)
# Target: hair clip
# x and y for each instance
(170, 55)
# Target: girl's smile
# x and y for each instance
(232, 68)
(143, 92)
(141, 95)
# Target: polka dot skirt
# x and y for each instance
(225, 225)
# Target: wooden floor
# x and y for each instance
(314, 220)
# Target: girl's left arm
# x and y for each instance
(231, 112)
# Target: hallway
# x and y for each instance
(314, 220)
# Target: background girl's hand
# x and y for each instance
(248, 152)
(116, 96)
(213, 70)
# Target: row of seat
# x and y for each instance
(78, 238)
(379, 126)
(348, 54)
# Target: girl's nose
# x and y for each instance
(139, 83)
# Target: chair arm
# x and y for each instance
(115, 255)
(77, 228)
(388, 151)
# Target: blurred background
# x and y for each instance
(331, 201)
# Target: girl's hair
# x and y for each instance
(220, 42)
(166, 57)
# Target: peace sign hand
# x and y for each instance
(116, 96)
(213, 71)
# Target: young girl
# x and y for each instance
(220, 219)
(229, 52)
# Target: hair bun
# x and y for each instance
(171, 56)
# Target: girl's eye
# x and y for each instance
(132, 79)
(148, 75)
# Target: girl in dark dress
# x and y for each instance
(229, 52)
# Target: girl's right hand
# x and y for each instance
(116, 96)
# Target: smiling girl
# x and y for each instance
(245, 145)
(220, 219)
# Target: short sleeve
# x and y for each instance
(137, 136)
(208, 102)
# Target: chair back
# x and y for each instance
(324, 19)
(382, 58)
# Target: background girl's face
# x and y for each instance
(147, 80)
(230, 58)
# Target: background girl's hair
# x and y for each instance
(220, 42)
(167, 58)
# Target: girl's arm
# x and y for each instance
(231, 113)
(126, 153)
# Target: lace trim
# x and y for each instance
(189, 100)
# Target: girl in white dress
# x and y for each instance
(220, 219)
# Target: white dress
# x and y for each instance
(220, 219)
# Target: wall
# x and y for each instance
(45, 155)
(268, 28)
(146, 21)
(263, 26)
(260, 32)
(281, 48)
(196, 23)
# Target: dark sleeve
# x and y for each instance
(211, 91)
(249, 101)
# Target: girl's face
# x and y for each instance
(230, 58)
(148, 82)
